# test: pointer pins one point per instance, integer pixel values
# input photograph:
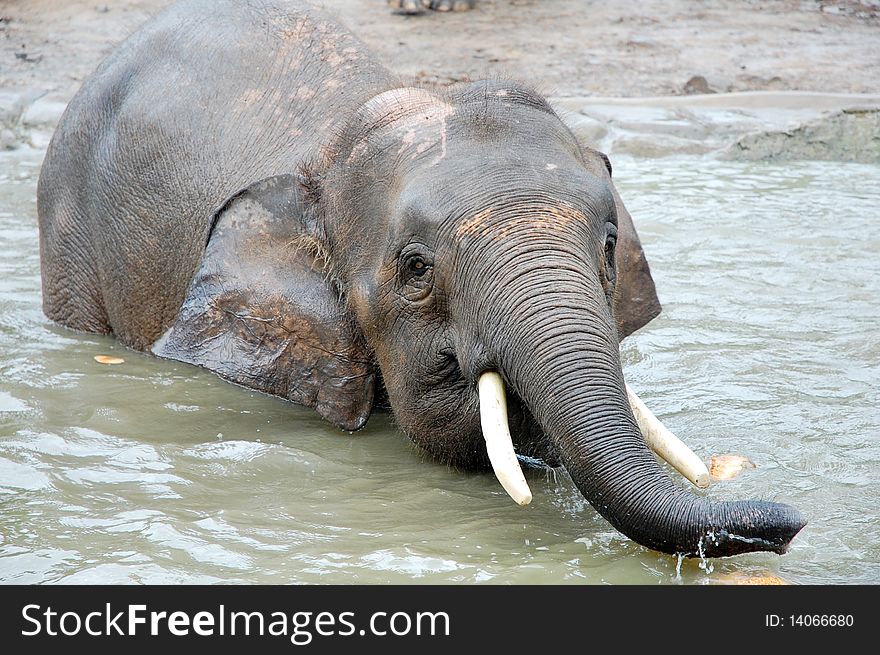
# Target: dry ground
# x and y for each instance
(566, 47)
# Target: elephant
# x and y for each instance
(244, 187)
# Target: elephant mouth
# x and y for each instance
(506, 465)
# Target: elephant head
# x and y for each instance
(455, 238)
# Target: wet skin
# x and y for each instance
(298, 220)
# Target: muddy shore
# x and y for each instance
(576, 51)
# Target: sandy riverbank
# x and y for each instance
(574, 50)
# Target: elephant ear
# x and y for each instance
(635, 301)
(262, 311)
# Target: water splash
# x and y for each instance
(705, 564)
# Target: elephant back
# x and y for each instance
(206, 99)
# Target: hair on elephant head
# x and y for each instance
(444, 237)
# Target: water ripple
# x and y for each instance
(158, 472)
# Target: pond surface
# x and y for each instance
(768, 347)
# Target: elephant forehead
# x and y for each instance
(499, 224)
(414, 120)
(390, 106)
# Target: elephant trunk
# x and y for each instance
(559, 353)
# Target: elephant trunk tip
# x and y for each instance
(756, 526)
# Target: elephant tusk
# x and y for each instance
(667, 445)
(493, 418)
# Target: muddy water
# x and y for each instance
(152, 471)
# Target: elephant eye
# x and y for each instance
(417, 266)
(416, 272)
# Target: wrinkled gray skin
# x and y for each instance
(243, 187)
